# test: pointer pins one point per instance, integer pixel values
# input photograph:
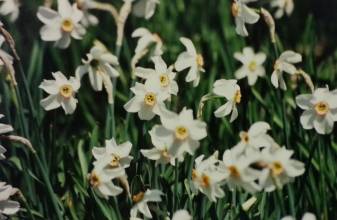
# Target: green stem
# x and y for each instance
(175, 201)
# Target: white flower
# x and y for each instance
(10, 8)
(61, 92)
(306, 216)
(88, 19)
(101, 181)
(243, 14)
(284, 64)
(113, 155)
(161, 75)
(279, 168)
(181, 215)
(192, 60)
(145, 8)
(238, 170)
(231, 91)
(283, 6)
(7, 206)
(3, 130)
(320, 110)
(207, 178)
(160, 153)
(148, 100)
(141, 199)
(62, 25)
(255, 138)
(181, 131)
(146, 39)
(252, 67)
(100, 67)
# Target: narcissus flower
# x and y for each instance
(61, 92)
(181, 215)
(320, 110)
(207, 178)
(282, 6)
(148, 100)
(255, 138)
(146, 39)
(242, 15)
(145, 8)
(62, 25)
(306, 216)
(231, 91)
(113, 155)
(141, 199)
(160, 75)
(285, 63)
(191, 60)
(238, 171)
(182, 130)
(279, 168)
(4, 128)
(160, 153)
(7, 206)
(100, 65)
(252, 67)
(101, 181)
(10, 8)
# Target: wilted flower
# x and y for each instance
(145, 8)
(7, 206)
(279, 168)
(182, 131)
(239, 173)
(62, 25)
(113, 155)
(148, 100)
(284, 64)
(10, 8)
(207, 178)
(141, 199)
(160, 153)
(320, 110)
(192, 60)
(101, 181)
(3, 130)
(4, 54)
(161, 75)
(100, 65)
(61, 92)
(252, 65)
(146, 39)
(306, 216)
(181, 215)
(243, 14)
(231, 91)
(255, 138)
(283, 6)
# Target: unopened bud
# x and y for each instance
(268, 18)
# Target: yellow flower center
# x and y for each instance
(205, 181)
(66, 91)
(67, 25)
(234, 171)
(164, 80)
(94, 179)
(150, 99)
(114, 161)
(194, 174)
(277, 168)
(244, 137)
(138, 197)
(252, 66)
(181, 133)
(200, 60)
(235, 9)
(237, 96)
(322, 108)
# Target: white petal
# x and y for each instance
(303, 101)
(50, 33)
(224, 110)
(51, 102)
(189, 46)
(64, 8)
(47, 15)
(69, 105)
